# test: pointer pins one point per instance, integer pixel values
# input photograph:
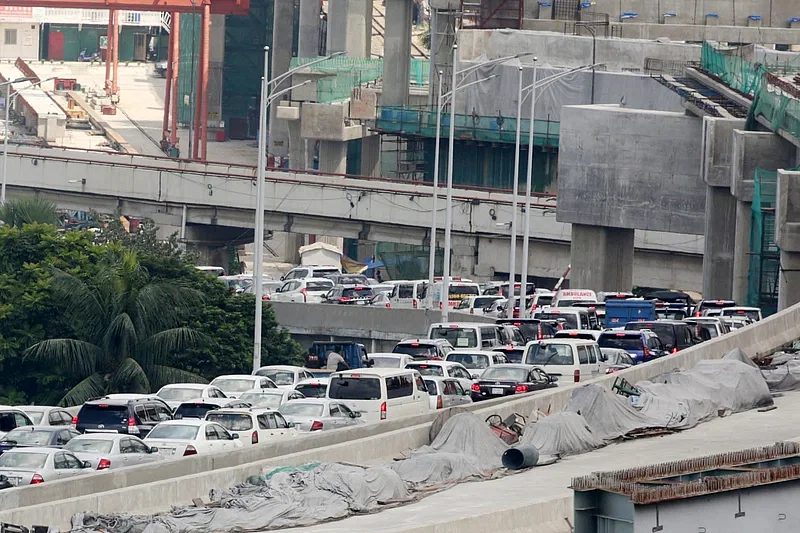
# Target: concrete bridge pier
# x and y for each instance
(605, 255)
(787, 237)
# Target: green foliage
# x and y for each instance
(27, 210)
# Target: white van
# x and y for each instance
(571, 360)
(460, 335)
(576, 317)
(408, 294)
(380, 393)
(458, 289)
(566, 297)
(311, 271)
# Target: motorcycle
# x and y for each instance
(83, 57)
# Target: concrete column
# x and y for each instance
(281, 51)
(397, 52)
(787, 237)
(371, 156)
(297, 146)
(308, 34)
(337, 25)
(741, 249)
(601, 258)
(216, 65)
(359, 28)
(333, 157)
(464, 256)
(719, 243)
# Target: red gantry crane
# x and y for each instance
(174, 7)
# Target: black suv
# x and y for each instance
(134, 414)
(349, 295)
(674, 334)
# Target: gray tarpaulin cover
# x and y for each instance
(783, 373)
(562, 433)
(464, 449)
(608, 415)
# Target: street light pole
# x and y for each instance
(432, 240)
(445, 294)
(258, 240)
(512, 260)
(529, 177)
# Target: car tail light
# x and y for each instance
(265, 297)
(646, 352)
(576, 376)
(304, 292)
(36, 479)
(254, 438)
(103, 464)
(388, 304)
(439, 403)
(344, 299)
(476, 387)
(190, 450)
(674, 350)
(383, 411)
(132, 426)
(414, 303)
(75, 420)
(521, 388)
(316, 426)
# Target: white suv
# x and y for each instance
(311, 271)
(304, 290)
(254, 426)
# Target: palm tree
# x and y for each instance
(127, 326)
(27, 210)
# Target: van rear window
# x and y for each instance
(312, 391)
(457, 337)
(194, 410)
(349, 388)
(571, 318)
(427, 370)
(108, 415)
(621, 341)
(550, 354)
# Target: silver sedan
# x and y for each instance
(43, 415)
(270, 398)
(318, 414)
(112, 450)
(31, 466)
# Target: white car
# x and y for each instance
(34, 465)
(270, 398)
(253, 426)
(178, 393)
(390, 360)
(284, 376)
(313, 388)
(43, 415)
(444, 369)
(176, 438)
(446, 392)
(308, 290)
(474, 305)
(476, 361)
(234, 385)
(112, 450)
(12, 418)
(319, 414)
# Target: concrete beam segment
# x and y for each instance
(333, 157)
(720, 231)
(789, 280)
(281, 56)
(787, 212)
(741, 251)
(717, 153)
(601, 258)
(757, 149)
(397, 52)
(371, 156)
(157, 487)
(628, 168)
(337, 26)
(308, 33)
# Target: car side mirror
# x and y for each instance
(152, 449)
(283, 278)
(290, 424)
(603, 358)
(553, 379)
(86, 464)
(467, 392)
(234, 436)
(356, 414)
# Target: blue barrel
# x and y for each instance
(522, 456)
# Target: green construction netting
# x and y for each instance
(738, 73)
(782, 111)
(407, 261)
(343, 74)
(764, 268)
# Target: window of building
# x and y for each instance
(10, 37)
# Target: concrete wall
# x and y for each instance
(627, 168)
(152, 488)
(27, 41)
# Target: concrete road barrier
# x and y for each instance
(152, 488)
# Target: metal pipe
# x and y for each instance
(183, 223)
(512, 259)
(444, 299)
(529, 178)
(5, 145)
(176, 31)
(115, 66)
(192, 142)
(109, 46)
(258, 240)
(204, 62)
(168, 87)
(432, 239)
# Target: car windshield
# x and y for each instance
(301, 409)
(570, 318)
(312, 390)
(484, 301)
(280, 377)
(416, 350)
(544, 301)
(23, 460)
(529, 330)
(318, 286)
(231, 421)
(427, 370)
(499, 373)
(618, 358)
(352, 388)
(235, 385)
(513, 355)
(36, 437)
(458, 337)
(173, 432)
(357, 292)
(179, 394)
(550, 354)
(194, 410)
(621, 341)
(35, 416)
(471, 361)
(108, 415)
(89, 445)
(263, 401)
(385, 362)
(665, 332)
(431, 386)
